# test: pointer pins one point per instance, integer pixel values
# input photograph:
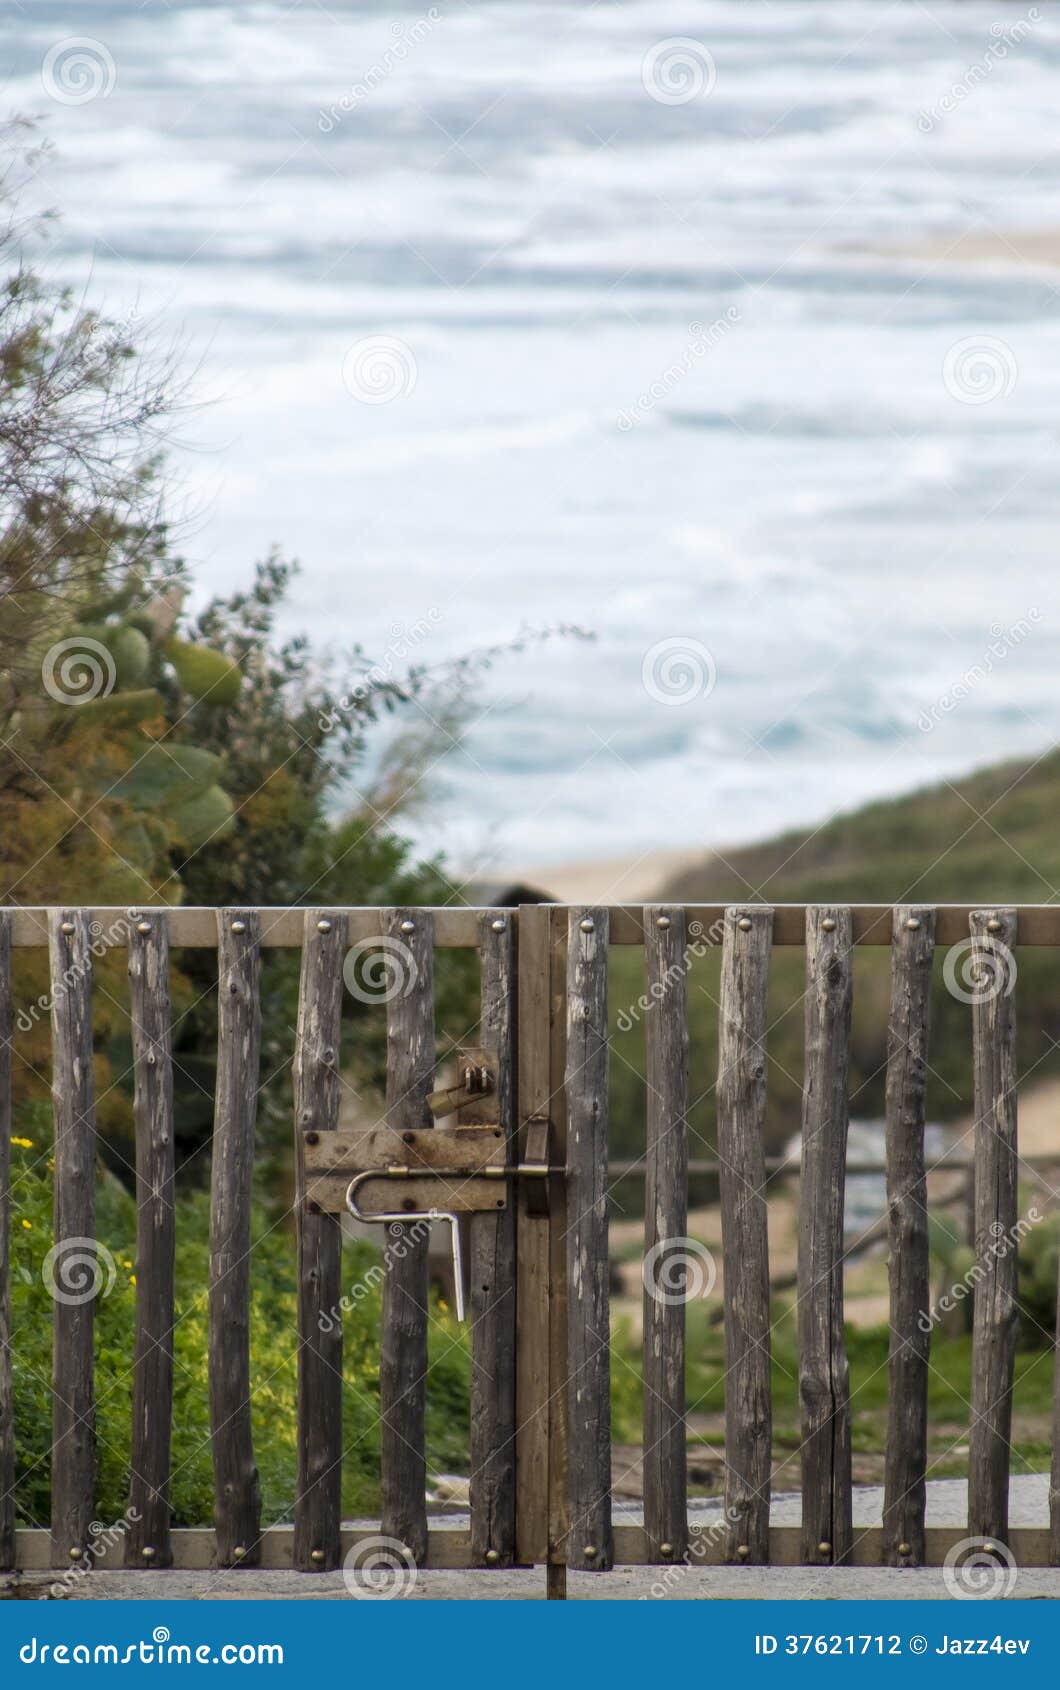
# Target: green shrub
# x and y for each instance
(273, 1354)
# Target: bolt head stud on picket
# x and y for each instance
(147, 1553)
(828, 925)
(316, 1555)
(666, 1549)
(993, 925)
(587, 924)
(66, 927)
(239, 927)
(323, 925)
(744, 924)
(499, 924)
(493, 1556)
(913, 923)
(589, 1551)
(743, 1550)
(905, 1549)
(662, 921)
(143, 927)
(824, 1549)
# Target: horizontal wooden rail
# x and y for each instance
(456, 928)
(194, 1549)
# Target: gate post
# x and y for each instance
(541, 1298)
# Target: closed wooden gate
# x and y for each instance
(516, 1152)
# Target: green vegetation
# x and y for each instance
(949, 1396)
(273, 1355)
(989, 836)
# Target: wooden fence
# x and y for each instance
(533, 1187)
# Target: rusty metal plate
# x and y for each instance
(331, 1159)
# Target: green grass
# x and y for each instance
(949, 1392)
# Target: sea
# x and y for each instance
(699, 327)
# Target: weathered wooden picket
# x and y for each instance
(527, 1164)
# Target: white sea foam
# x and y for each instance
(803, 496)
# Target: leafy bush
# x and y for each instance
(273, 1355)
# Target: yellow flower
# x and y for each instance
(443, 1305)
(28, 1225)
(132, 1279)
(23, 1143)
(126, 1264)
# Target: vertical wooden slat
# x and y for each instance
(7, 1398)
(409, 939)
(588, 1328)
(75, 1270)
(905, 1488)
(996, 1212)
(317, 1087)
(532, 1325)
(742, 1025)
(237, 1491)
(559, 1512)
(147, 1542)
(824, 1380)
(492, 1272)
(665, 1227)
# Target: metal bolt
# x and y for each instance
(587, 926)
(666, 1549)
(662, 921)
(66, 927)
(828, 925)
(238, 1552)
(312, 1138)
(76, 1552)
(408, 927)
(316, 1555)
(493, 1556)
(993, 925)
(148, 1553)
(824, 1548)
(905, 1549)
(743, 1550)
(989, 1548)
(239, 927)
(589, 1551)
(143, 927)
(913, 922)
(498, 925)
(323, 926)
(744, 924)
